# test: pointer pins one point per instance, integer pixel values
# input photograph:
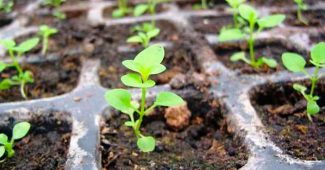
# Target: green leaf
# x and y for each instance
(130, 64)
(2, 151)
(247, 12)
(28, 77)
(134, 39)
(117, 13)
(129, 123)
(3, 139)
(153, 33)
(151, 56)
(8, 43)
(318, 53)
(238, 56)
(300, 88)
(47, 31)
(168, 99)
(120, 99)
(269, 62)
(158, 69)
(140, 9)
(271, 21)
(146, 143)
(27, 45)
(312, 107)
(293, 62)
(134, 80)
(3, 66)
(5, 84)
(231, 34)
(20, 130)
(235, 3)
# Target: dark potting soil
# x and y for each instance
(283, 112)
(51, 79)
(267, 48)
(208, 142)
(211, 25)
(178, 60)
(319, 37)
(45, 146)
(315, 18)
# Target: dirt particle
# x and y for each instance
(178, 117)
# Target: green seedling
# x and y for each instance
(234, 4)
(202, 5)
(296, 63)
(46, 31)
(20, 130)
(251, 16)
(122, 10)
(144, 34)
(57, 13)
(301, 7)
(6, 6)
(145, 64)
(15, 52)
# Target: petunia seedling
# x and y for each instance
(145, 64)
(15, 52)
(296, 63)
(234, 4)
(122, 10)
(46, 31)
(57, 13)
(19, 131)
(150, 7)
(301, 6)
(251, 16)
(6, 6)
(144, 34)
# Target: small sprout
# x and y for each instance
(144, 34)
(15, 52)
(145, 64)
(150, 7)
(46, 31)
(6, 6)
(57, 13)
(20, 130)
(250, 15)
(301, 7)
(122, 10)
(296, 63)
(234, 4)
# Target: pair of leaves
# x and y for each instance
(47, 31)
(301, 4)
(140, 9)
(22, 47)
(262, 60)
(312, 106)
(144, 38)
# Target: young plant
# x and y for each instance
(250, 15)
(301, 7)
(122, 10)
(57, 13)
(20, 130)
(150, 7)
(296, 63)
(145, 64)
(234, 4)
(46, 31)
(144, 34)
(15, 52)
(6, 6)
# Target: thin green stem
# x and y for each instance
(314, 80)
(45, 45)
(15, 62)
(143, 103)
(204, 4)
(22, 89)
(152, 10)
(251, 44)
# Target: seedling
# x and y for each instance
(15, 52)
(122, 10)
(145, 64)
(6, 6)
(203, 5)
(301, 7)
(296, 63)
(250, 15)
(20, 130)
(46, 31)
(57, 13)
(144, 34)
(234, 4)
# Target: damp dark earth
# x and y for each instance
(162, 84)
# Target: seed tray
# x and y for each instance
(232, 87)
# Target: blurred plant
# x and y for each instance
(56, 5)
(143, 34)
(301, 7)
(250, 15)
(146, 63)
(15, 52)
(296, 63)
(234, 4)
(6, 6)
(46, 31)
(20, 130)
(122, 10)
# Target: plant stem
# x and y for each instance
(15, 62)
(143, 103)
(204, 4)
(22, 89)
(314, 79)
(152, 10)
(251, 43)
(235, 17)
(45, 44)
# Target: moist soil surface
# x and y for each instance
(315, 18)
(178, 60)
(211, 25)
(45, 146)
(50, 79)
(268, 48)
(283, 112)
(206, 143)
